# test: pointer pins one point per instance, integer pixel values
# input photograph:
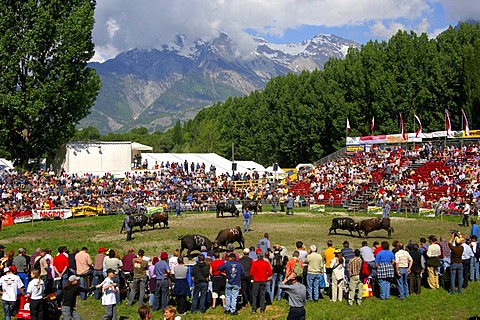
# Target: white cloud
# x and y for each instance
(125, 24)
(462, 9)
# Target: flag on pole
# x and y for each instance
(448, 125)
(402, 126)
(466, 128)
(348, 126)
(419, 131)
(372, 127)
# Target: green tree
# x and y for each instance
(46, 87)
(89, 133)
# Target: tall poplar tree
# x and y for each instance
(46, 87)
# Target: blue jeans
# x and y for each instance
(231, 294)
(474, 269)
(384, 288)
(199, 292)
(97, 279)
(313, 283)
(454, 269)
(246, 225)
(402, 283)
(277, 278)
(9, 308)
(83, 295)
(24, 277)
(161, 295)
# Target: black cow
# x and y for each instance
(194, 242)
(227, 236)
(140, 220)
(373, 224)
(227, 207)
(344, 224)
(158, 217)
(255, 206)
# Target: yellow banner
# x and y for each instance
(429, 213)
(355, 148)
(87, 211)
(474, 134)
(374, 210)
(153, 210)
(317, 207)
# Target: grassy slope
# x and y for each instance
(310, 228)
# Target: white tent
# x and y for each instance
(5, 164)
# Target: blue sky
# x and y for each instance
(144, 24)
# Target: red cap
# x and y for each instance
(163, 255)
(258, 250)
(101, 250)
(13, 269)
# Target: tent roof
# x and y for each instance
(140, 147)
(5, 164)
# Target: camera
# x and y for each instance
(456, 233)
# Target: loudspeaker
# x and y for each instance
(234, 166)
(275, 167)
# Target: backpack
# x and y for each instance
(298, 268)
(36, 265)
(277, 263)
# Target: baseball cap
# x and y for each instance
(246, 251)
(101, 250)
(6, 269)
(203, 248)
(13, 269)
(338, 251)
(258, 250)
(230, 247)
(163, 255)
(73, 278)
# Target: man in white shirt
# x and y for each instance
(466, 214)
(467, 255)
(9, 284)
(433, 262)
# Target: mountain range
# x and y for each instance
(156, 88)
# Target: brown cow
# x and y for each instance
(227, 236)
(374, 224)
(158, 217)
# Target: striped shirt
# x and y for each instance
(354, 266)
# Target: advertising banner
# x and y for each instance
(152, 210)
(52, 214)
(22, 216)
(87, 211)
(429, 213)
(317, 207)
(374, 210)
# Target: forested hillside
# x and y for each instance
(300, 118)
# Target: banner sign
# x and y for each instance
(52, 214)
(7, 218)
(397, 138)
(87, 211)
(317, 207)
(22, 216)
(153, 210)
(356, 148)
(429, 213)
(374, 210)
(474, 134)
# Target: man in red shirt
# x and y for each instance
(261, 272)
(60, 266)
(376, 248)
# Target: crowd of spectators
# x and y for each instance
(424, 176)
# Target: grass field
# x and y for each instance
(311, 228)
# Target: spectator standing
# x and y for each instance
(218, 280)
(152, 279)
(181, 290)
(264, 244)
(328, 255)
(32, 257)
(140, 267)
(403, 263)
(355, 284)
(386, 209)
(84, 263)
(162, 272)
(433, 262)
(246, 287)
(109, 289)
(261, 272)
(347, 254)
(67, 299)
(112, 262)
(338, 276)
(279, 263)
(97, 269)
(10, 283)
(200, 273)
(467, 256)
(72, 264)
(474, 229)
(367, 255)
(20, 262)
(233, 271)
(456, 267)
(465, 214)
(297, 297)
(35, 292)
(315, 266)
(474, 269)
(384, 262)
(290, 203)
(415, 276)
(127, 226)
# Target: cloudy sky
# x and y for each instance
(125, 24)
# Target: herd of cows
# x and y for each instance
(254, 206)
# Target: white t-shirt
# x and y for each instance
(108, 297)
(35, 289)
(10, 284)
